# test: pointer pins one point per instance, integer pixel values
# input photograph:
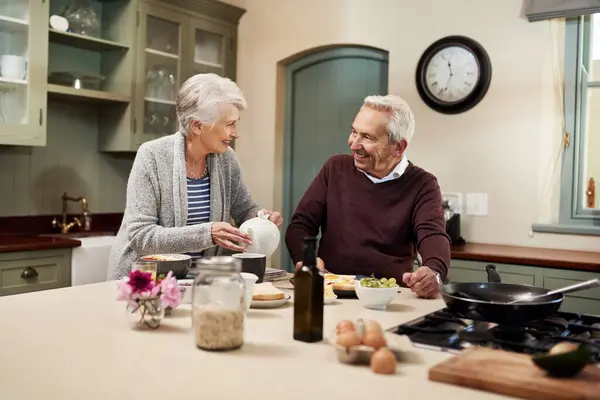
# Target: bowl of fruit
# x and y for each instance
(375, 293)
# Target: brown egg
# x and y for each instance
(374, 339)
(371, 325)
(348, 339)
(344, 326)
(563, 347)
(383, 361)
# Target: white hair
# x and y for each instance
(401, 124)
(202, 97)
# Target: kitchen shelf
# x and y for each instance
(13, 25)
(208, 64)
(162, 54)
(12, 82)
(159, 101)
(84, 42)
(95, 96)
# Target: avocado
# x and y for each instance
(564, 364)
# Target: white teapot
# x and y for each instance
(264, 233)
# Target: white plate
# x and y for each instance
(270, 303)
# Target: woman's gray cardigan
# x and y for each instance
(155, 215)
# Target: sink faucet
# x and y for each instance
(85, 215)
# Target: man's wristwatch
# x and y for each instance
(438, 278)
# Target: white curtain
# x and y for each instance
(552, 139)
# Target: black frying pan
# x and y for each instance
(487, 301)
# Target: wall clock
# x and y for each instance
(453, 74)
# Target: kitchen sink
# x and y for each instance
(89, 262)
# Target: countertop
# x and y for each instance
(533, 256)
(74, 343)
(10, 243)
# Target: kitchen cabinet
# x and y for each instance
(23, 66)
(587, 301)
(32, 271)
(129, 61)
(175, 40)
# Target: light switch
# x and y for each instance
(477, 204)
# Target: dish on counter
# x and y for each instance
(343, 285)
(266, 295)
(329, 295)
(166, 257)
(179, 264)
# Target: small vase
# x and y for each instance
(147, 313)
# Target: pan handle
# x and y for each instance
(493, 275)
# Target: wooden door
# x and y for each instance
(324, 92)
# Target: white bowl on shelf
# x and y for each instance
(375, 298)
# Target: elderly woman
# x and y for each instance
(184, 188)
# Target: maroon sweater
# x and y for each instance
(369, 228)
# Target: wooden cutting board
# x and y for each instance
(514, 374)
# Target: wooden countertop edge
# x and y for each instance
(531, 256)
(35, 243)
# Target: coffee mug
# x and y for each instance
(13, 67)
(253, 263)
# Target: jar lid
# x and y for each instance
(221, 263)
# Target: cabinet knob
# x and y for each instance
(29, 273)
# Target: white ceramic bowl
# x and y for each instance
(375, 298)
(249, 281)
(264, 233)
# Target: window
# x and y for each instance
(579, 206)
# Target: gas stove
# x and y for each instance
(443, 330)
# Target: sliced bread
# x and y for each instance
(266, 291)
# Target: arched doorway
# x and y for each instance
(324, 91)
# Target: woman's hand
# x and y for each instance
(274, 217)
(226, 236)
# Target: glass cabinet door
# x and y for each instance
(159, 72)
(22, 72)
(211, 43)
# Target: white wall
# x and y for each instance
(503, 147)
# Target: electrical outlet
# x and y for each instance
(455, 200)
(477, 204)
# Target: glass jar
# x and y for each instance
(218, 304)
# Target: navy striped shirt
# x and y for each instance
(198, 204)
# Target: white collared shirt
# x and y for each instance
(394, 174)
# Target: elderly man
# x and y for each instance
(376, 209)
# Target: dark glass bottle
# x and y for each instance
(308, 296)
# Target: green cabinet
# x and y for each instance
(587, 301)
(130, 67)
(23, 66)
(32, 271)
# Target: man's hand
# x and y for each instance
(320, 265)
(423, 282)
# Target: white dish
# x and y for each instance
(270, 303)
(375, 298)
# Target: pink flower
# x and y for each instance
(140, 282)
(170, 293)
(124, 293)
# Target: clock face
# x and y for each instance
(452, 74)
